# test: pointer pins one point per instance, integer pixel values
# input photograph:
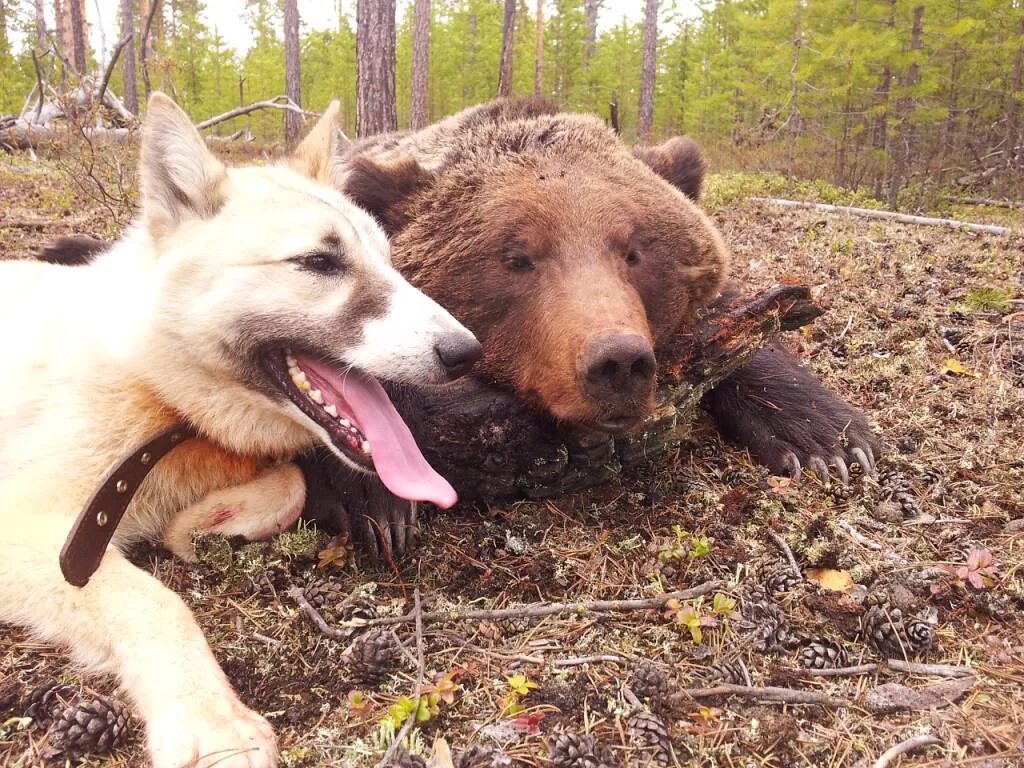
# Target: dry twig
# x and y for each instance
(420, 675)
(916, 668)
(909, 745)
(110, 68)
(767, 693)
(781, 542)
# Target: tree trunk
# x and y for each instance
(949, 127)
(375, 67)
(420, 64)
(794, 103)
(41, 42)
(508, 32)
(538, 59)
(590, 8)
(1014, 152)
(149, 11)
(3, 26)
(901, 155)
(131, 92)
(881, 137)
(292, 73)
(78, 35)
(645, 118)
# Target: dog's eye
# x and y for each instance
(632, 258)
(321, 262)
(519, 264)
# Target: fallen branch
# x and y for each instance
(533, 610)
(910, 745)
(278, 102)
(767, 693)
(860, 669)
(581, 660)
(986, 201)
(870, 213)
(916, 668)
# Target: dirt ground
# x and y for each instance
(925, 331)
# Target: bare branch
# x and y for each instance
(278, 102)
(110, 67)
(767, 693)
(909, 745)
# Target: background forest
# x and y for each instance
(889, 96)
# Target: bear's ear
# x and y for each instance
(679, 161)
(384, 188)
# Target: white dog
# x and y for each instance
(259, 306)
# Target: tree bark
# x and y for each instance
(645, 120)
(881, 137)
(78, 35)
(420, 64)
(794, 102)
(131, 91)
(508, 32)
(1014, 152)
(148, 10)
(538, 59)
(41, 41)
(375, 67)
(292, 74)
(904, 146)
(590, 8)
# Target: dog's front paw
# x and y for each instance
(225, 734)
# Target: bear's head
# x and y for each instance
(571, 256)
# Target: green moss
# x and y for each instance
(722, 189)
(989, 300)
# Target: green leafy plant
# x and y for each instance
(519, 686)
(690, 616)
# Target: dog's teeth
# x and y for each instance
(344, 422)
(365, 447)
(316, 397)
(300, 381)
(292, 362)
(332, 410)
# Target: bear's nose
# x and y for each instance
(457, 353)
(618, 368)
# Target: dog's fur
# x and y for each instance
(169, 325)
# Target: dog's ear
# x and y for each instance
(314, 156)
(385, 188)
(679, 161)
(180, 178)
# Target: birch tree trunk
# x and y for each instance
(646, 116)
(538, 59)
(375, 67)
(508, 32)
(420, 64)
(131, 91)
(292, 73)
(590, 8)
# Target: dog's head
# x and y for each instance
(276, 310)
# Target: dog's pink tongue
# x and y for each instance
(396, 457)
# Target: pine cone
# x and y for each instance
(649, 681)
(892, 635)
(896, 487)
(374, 656)
(730, 672)
(402, 759)
(490, 630)
(708, 448)
(479, 756)
(326, 596)
(768, 620)
(97, 727)
(649, 732)
(46, 702)
(823, 653)
(779, 578)
(572, 750)
(735, 476)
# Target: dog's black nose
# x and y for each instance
(457, 354)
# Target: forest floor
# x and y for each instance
(925, 331)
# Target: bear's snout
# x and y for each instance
(617, 370)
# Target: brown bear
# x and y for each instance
(573, 258)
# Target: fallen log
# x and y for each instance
(996, 203)
(902, 218)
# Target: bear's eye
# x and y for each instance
(632, 258)
(321, 262)
(519, 263)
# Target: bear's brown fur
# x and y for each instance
(546, 235)
(561, 250)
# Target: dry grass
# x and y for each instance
(904, 300)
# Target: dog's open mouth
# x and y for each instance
(357, 414)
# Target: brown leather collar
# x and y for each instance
(96, 524)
